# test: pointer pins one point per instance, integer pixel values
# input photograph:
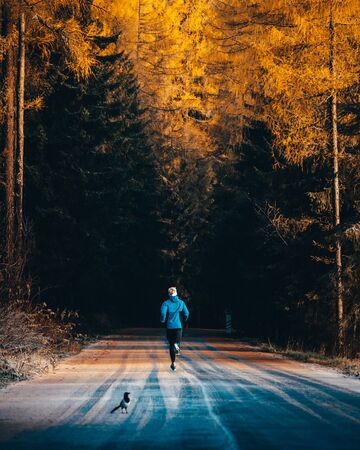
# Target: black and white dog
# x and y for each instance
(125, 402)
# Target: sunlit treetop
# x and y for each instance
(298, 77)
(55, 24)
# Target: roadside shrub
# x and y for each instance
(33, 337)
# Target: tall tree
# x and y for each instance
(91, 188)
(305, 63)
(9, 24)
(336, 188)
(55, 24)
(169, 45)
(20, 128)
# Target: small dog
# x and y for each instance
(125, 402)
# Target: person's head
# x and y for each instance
(172, 291)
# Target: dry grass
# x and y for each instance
(345, 365)
(33, 338)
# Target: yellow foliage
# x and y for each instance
(296, 77)
(168, 44)
(221, 58)
(35, 104)
(59, 24)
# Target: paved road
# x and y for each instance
(224, 395)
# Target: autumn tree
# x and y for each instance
(167, 45)
(308, 63)
(52, 24)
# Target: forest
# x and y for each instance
(210, 145)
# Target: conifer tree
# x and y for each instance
(169, 60)
(305, 63)
(92, 184)
(52, 24)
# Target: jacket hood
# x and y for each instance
(174, 298)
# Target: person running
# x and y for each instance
(171, 311)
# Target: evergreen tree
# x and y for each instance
(49, 26)
(91, 188)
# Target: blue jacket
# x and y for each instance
(171, 310)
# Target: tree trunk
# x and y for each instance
(9, 134)
(336, 185)
(20, 129)
(138, 32)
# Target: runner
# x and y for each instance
(172, 311)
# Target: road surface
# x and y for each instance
(225, 395)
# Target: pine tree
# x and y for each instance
(92, 185)
(168, 57)
(54, 24)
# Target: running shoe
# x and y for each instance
(177, 349)
(173, 367)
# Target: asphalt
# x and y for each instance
(225, 394)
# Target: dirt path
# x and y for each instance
(224, 395)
